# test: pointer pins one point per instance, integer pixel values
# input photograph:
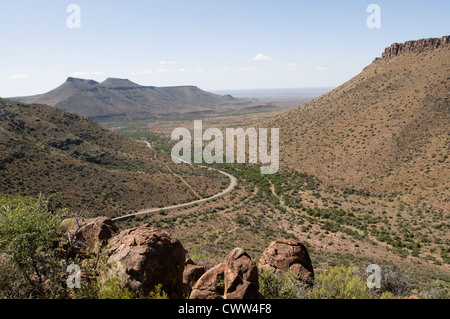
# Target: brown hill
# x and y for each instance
(48, 150)
(116, 100)
(384, 131)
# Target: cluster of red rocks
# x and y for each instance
(143, 257)
(415, 46)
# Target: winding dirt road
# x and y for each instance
(233, 183)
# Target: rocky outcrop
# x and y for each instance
(86, 236)
(241, 276)
(96, 232)
(415, 46)
(144, 257)
(211, 284)
(237, 278)
(289, 255)
(191, 275)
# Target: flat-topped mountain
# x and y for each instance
(119, 84)
(115, 100)
(415, 46)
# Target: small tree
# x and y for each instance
(28, 229)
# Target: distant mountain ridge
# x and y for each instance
(115, 100)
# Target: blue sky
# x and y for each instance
(216, 45)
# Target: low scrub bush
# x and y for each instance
(436, 290)
(278, 285)
(340, 282)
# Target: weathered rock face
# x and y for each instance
(415, 46)
(191, 275)
(96, 232)
(86, 236)
(211, 284)
(145, 257)
(241, 276)
(289, 254)
(235, 279)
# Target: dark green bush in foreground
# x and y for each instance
(28, 230)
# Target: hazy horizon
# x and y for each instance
(241, 45)
(257, 93)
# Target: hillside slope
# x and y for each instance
(48, 150)
(115, 100)
(385, 131)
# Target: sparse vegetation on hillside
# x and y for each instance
(385, 131)
(363, 179)
(45, 149)
(338, 224)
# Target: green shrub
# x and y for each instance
(114, 289)
(158, 293)
(436, 290)
(387, 295)
(340, 282)
(28, 230)
(396, 281)
(12, 283)
(281, 285)
(101, 280)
